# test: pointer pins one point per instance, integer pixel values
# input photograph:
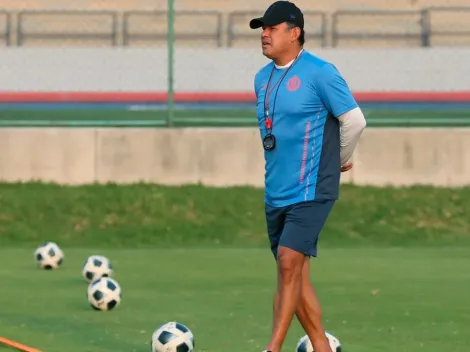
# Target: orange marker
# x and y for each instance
(17, 345)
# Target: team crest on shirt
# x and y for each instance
(293, 84)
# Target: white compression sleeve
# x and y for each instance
(352, 124)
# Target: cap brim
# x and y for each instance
(256, 23)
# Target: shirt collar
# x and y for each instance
(289, 63)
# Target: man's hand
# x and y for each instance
(346, 167)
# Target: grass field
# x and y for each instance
(141, 116)
(143, 215)
(392, 271)
(374, 299)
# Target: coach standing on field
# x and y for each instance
(310, 125)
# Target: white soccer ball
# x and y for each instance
(96, 267)
(173, 337)
(49, 256)
(304, 344)
(104, 294)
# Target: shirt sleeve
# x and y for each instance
(351, 124)
(334, 91)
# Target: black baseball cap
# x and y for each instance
(277, 13)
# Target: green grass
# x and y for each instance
(209, 117)
(150, 215)
(373, 299)
(392, 272)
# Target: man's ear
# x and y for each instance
(295, 34)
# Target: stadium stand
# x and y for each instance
(398, 23)
(226, 6)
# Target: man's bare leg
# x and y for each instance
(290, 266)
(308, 312)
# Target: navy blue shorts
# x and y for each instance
(297, 226)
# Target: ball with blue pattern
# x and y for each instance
(173, 337)
(104, 294)
(49, 256)
(96, 267)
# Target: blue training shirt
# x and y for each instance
(305, 164)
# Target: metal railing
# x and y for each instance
(5, 31)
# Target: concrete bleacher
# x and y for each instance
(225, 6)
(386, 29)
(449, 27)
(324, 28)
(142, 28)
(84, 29)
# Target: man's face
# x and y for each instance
(275, 40)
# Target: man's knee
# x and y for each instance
(290, 263)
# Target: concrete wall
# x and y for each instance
(219, 157)
(222, 70)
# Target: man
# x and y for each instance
(310, 125)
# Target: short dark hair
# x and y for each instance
(301, 38)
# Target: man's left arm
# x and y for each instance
(352, 123)
(339, 101)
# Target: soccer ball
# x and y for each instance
(96, 267)
(173, 337)
(49, 256)
(304, 344)
(104, 294)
